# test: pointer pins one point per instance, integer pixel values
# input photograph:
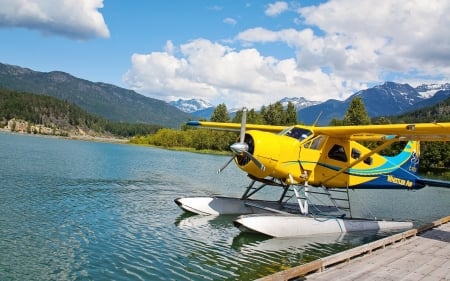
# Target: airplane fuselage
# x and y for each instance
(325, 160)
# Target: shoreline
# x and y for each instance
(104, 139)
(108, 139)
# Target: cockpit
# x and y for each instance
(296, 133)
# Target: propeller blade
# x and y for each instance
(243, 123)
(256, 161)
(241, 148)
(224, 166)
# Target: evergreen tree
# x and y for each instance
(253, 117)
(220, 114)
(238, 117)
(291, 114)
(356, 113)
(274, 114)
(336, 122)
(383, 121)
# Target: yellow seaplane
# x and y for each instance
(306, 161)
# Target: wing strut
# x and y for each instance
(364, 157)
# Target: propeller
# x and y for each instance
(241, 149)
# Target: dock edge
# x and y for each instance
(321, 264)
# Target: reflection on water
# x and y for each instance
(75, 210)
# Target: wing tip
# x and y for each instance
(193, 123)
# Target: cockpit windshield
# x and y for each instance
(296, 133)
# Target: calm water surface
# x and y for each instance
(74, 210)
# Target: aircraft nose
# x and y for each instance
(239, 148)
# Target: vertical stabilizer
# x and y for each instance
(413, 147)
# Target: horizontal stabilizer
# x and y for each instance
(432, 182)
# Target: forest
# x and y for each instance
(55, 113)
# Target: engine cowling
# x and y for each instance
(279, 154)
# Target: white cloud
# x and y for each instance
(276, 8)
(347, 45)
(78, 19)
(364, 40)
(390, 35)
(230, 21)
(217, 73)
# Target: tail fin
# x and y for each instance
(412, 147)
(408, 159)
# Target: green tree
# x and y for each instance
(336, 122)
(253, 117)
(220, 114)
(273, 114)
(356, 113)
(291, 114)
(383, 121)
(238, 117)
(434, 155)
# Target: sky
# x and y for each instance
(241, 53)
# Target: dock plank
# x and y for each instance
(440, 272)
(361, 268)
(419, 258)
(418, 254)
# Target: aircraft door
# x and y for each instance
(310, 154)
(335, 158)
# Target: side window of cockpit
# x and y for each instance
(315, 143)
(337, 152)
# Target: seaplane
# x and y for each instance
(306, 162)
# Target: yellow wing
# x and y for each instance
(417, 131)
(235, 127)
(412, 131)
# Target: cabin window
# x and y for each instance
(298, 133)
(337, 152)
(356, 153)
(368, 160)
(316, 143)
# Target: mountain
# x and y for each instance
(196, 107)
(387, 99)
(204, 110)
(299, 103)
(105, 100)
(191, 105)
(429, 90)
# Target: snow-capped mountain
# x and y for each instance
(299, 103)
(191, 105)
(387, 99)
(428, 90)
(390, 95)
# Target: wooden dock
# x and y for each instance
(416, 254)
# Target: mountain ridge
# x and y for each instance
(106, 100)
(387, 99)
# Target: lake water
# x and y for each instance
(75, 210)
